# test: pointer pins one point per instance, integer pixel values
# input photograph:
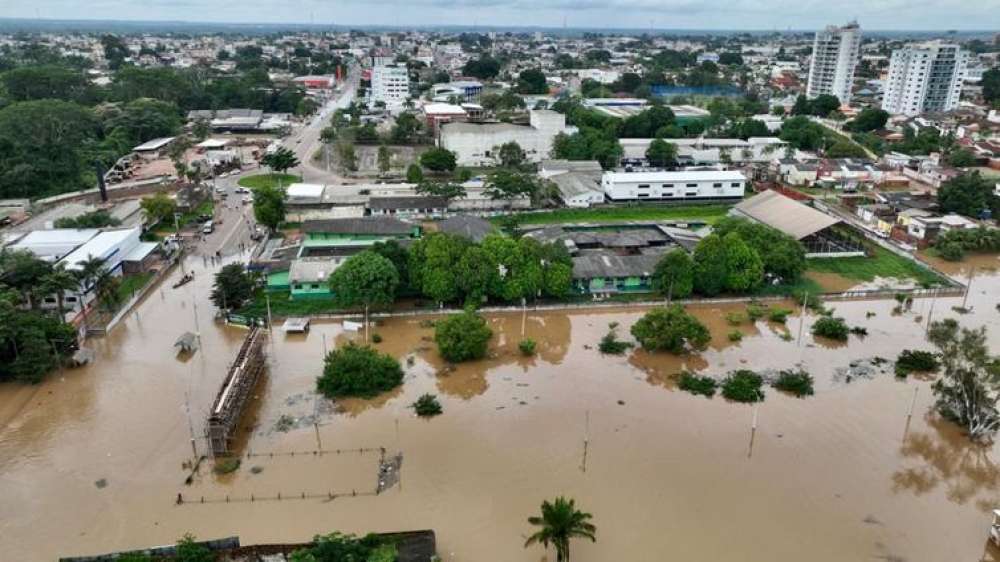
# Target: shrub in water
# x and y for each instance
(527, 347)
(353, 370)
(690, 382)
(611, 345)
(735, 318)
(756, 311)
(462, 337)
(912, 360)
(799, 383)
(227, 465)
(859, 331)
(427, 406)
(831, 328)
(376, 338)
(735, 335)
(779, 315)
(743, 386)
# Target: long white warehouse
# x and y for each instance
(658, 186)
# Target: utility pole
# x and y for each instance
(968, 287)
(802, 318)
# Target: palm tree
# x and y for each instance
(57, 283)
(89, 271)
(560, 521)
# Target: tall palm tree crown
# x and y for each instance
(560, 522)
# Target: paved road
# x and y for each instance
(305, 139)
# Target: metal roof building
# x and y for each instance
(785, 214)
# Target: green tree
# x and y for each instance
(347, 157)
(115, 50)
(870, 119)
(414, 174)
(559, 522)
(475, 274)
(353, 370)
(281, 160)
(962, 158)
(671, 329)
(507, 184)
(188, 550)
(674, 275)
(969, 386)
(991, 86)
(462, 337)
(384, 159)
(520, 273)
(784, 257)
(269, 205)
(446, 189)
(48, 147)
(710, 266)
(661, 153)
(233, 287)
(532, 81)
(400, 258)
(433, 261)
(159, 209)
(405, 129)
(47, 81)
(366, 278)
(744, 268)
(968, 194)
(484, 68)
(511, 155)
(438, 160)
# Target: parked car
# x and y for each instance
(208, 227)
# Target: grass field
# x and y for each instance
(882, 264)
(269, 180)
(282, 306)
(692, 213)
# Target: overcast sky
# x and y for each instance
(661, 14)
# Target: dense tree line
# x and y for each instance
(451, 269)
(56, 125)
(738, 257)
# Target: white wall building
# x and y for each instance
(923, 78)
(390, 85)
(476, 144)
(657, 186)
(834, 57)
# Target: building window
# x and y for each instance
(736, 184)
(643, 186)
(692, 185)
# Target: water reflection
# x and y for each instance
(947, 459)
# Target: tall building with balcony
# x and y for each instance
(390, 85)
(834, 57)
(925, 77)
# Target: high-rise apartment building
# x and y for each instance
(924, 78)
(390, 85)
(834, 57)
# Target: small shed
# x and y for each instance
(187, 343)
(295, 325)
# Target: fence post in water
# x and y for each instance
(802, 318)
(913, 403)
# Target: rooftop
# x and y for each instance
(785, 214)
(364, 225)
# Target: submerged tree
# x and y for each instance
(969, 387)
(560, 522)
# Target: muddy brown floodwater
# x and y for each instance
(93, 459)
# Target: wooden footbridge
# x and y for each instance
(224, 417)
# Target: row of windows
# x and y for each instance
(717, 185)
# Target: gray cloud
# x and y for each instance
(705, 14)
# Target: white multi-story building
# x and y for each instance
(923, 78)
(659, 186)
(390, 85)
(477, 144)
(834, 57)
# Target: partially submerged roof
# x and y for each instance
(312, 269)
(590, 266)
(154, 144)
(785, 214)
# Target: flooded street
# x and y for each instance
(92, 460)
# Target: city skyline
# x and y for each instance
(612, 14)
